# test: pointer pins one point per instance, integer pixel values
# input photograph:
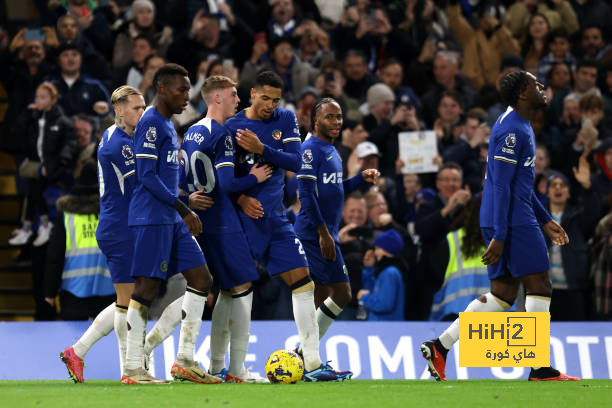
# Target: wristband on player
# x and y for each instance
(182, 209)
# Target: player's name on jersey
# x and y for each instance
(504, 339)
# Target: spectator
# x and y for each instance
(51, 146)
(601, 269)
(282, 21)
(559, 77)
(447, 125)
(594, 45)
(313, 44)
(142, 23)
(383, 286)
(151, 64)
(307, 98)
(569, 264)
(78, 93)
(353, 134)
(94, 63)
(132, 73)
(483, 47)
(447, 78)
(535, 44)
(562, 15)
(391, 73)
(76, 270)
(602, 181)
(558, 53)
(380, 103)
(358, 78)
(593, 13)
(466, 150)
(330, 83)
(86, 131)
(433, 223)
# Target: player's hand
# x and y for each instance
(261, 172)
(327, 244)
(249, 141)
(199, 201)
(493, 252)
(556, 233)
(370, 175)
(344, 235)
(361, 293)
(368, 258)
(251, 206)
(194, 225)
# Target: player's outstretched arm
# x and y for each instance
(366, 176)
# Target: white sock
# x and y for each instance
(137, 325)
(326, 315)
(537, 303)
(101, 326)
(239, 331)
(308, 329)
(492, 304)
(192, 309)
(169, 319)
(120, 325)
(219, 332)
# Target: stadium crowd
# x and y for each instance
(393, 66)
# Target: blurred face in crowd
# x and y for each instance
(282, 55)
(559, 46)
(449, 109)
(570, 110)
(43, 99)
(448, 182)
(283, 11)
(444, 70)
(586, 77)
(470, 127)
(609, 81)
(355, 67)
(382, 110)
(392, 75)
(560, 76)
(308, 43)
(68, 28)
(33, 52)
(84, 130)
(70, 62)
(596, 115)
(378, 207)
(542, 160)
(411, 184)
(265, 100)
(355, 211)
(144, 17)
(369, 162)
(608, 158)
(141, 50)
(131, 110)
(538, 27)
(558, 191)
(592, 41)
(155, 63)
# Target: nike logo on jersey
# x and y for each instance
(332, 178)
(329, 158)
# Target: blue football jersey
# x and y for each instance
(208, 146)
(157, 171)
(322, 164)
(508, 198)
(279, 133)
(116, 177)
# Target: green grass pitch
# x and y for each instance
(356, 393)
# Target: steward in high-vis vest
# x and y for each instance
(76, 268)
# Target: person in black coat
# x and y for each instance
(50, 142)
(569, 263)
(433, 222)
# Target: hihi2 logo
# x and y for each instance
(504, 339)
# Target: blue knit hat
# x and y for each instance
(391, 241)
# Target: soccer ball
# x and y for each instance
(284, 367)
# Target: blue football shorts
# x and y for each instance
(273, 243)
(162, 251)
(229, 258)
(525, 252)
(119, 259)
(324, 271)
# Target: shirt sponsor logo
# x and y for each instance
(172, 156)
(511, 140)
(530, 162)
(333, 178)
(277, 134)
(151, 134)
(307, 156)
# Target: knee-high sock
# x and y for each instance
(101, 326)
(170, 318)
(537, 303)
(192, 309)
(137, 315)
(327, 313)
(239, 325)
(219, 331)
(305, 319)
(120, 325)
(492, 304)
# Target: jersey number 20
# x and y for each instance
(190, 167)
